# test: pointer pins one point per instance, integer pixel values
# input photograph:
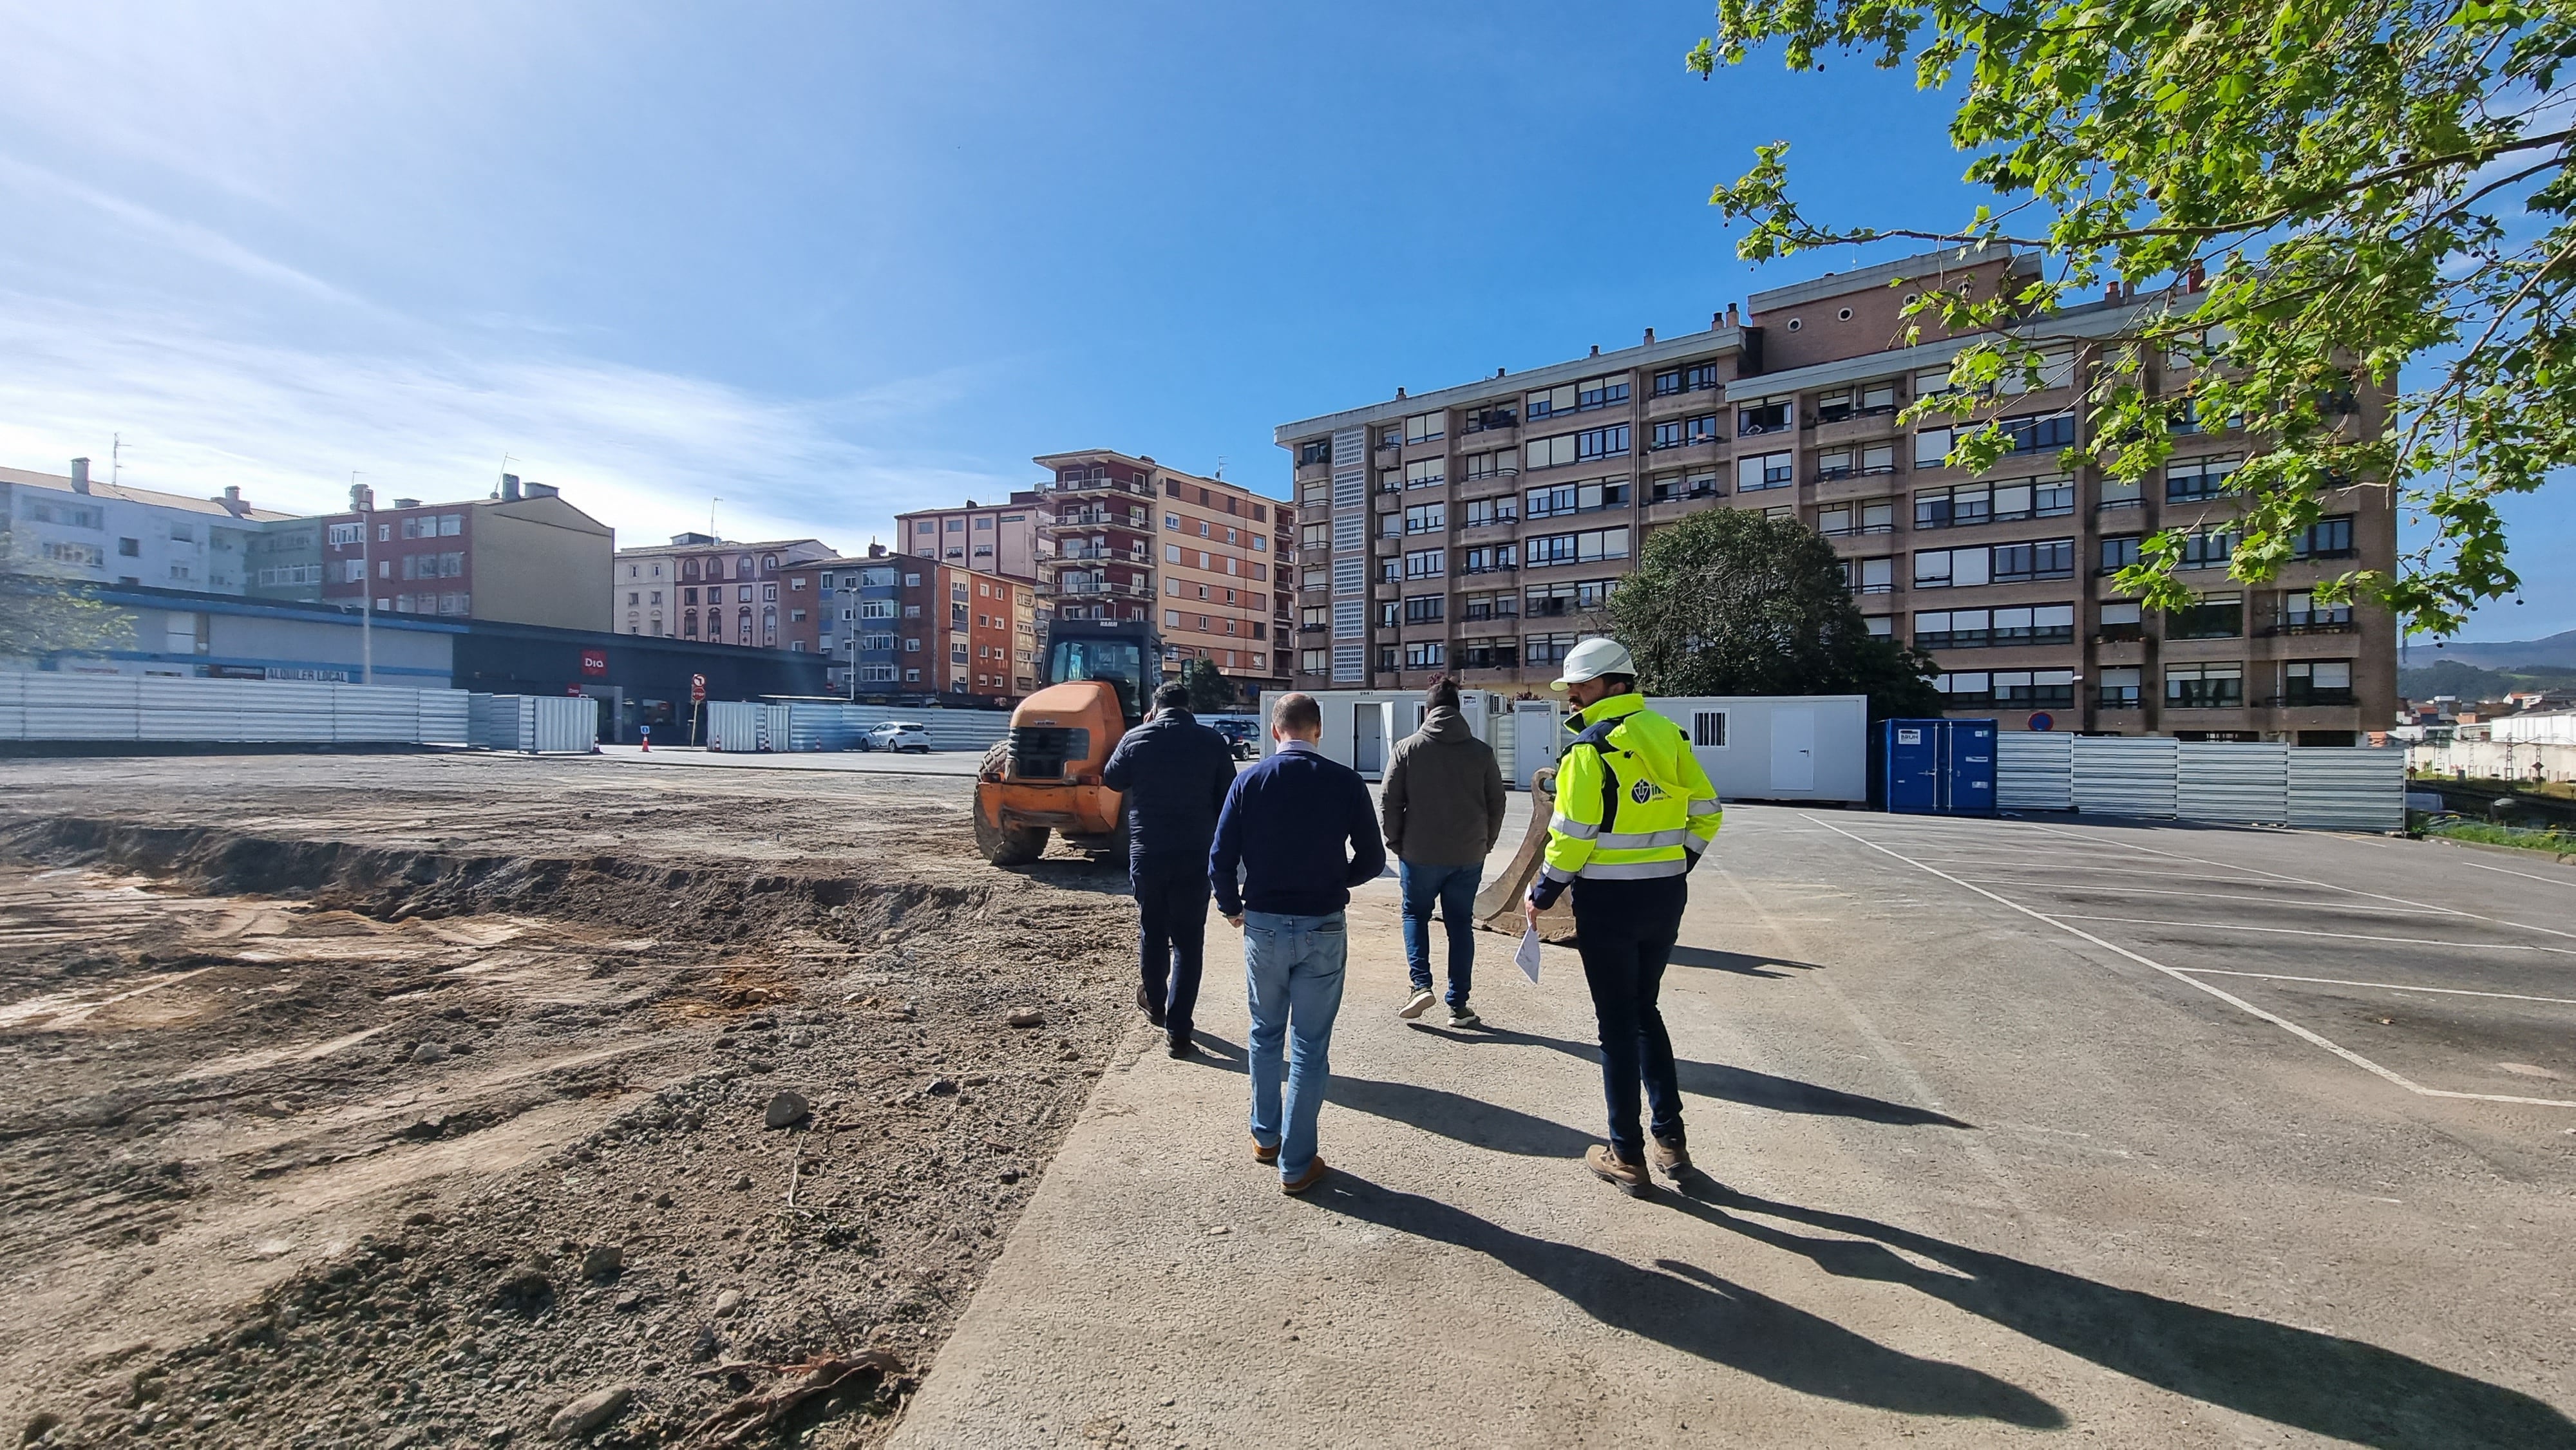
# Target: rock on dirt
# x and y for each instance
(727, 1303)
(603, 1262)
(1025, 1019)
(589, 1412)
(787, 1109)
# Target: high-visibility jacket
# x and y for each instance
(1631, 801)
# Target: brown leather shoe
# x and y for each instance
(1629, 1178)
(1264, 1155)
(1670, 1159)
(1313, 1175)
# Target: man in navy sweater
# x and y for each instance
(1301, 829)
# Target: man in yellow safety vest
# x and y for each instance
(1633, 813)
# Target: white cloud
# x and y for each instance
(638, 449)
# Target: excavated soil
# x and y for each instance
(400, 1101)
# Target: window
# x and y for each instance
(1314, 450)
(2121, 621)
(1957, 507)
(1685, 432)
(1547, 649)
(1879, 626)
(1582, 548)
(2316, 682)
(1842, 520)
(2117, 688)
(1489, 465)
(1426, 518)
(1480, 420)
(1564, 448)
(1390, 480)
(1425, 655)
(1932, 448)
(1171, 553)
(1870, 576)
(2056, 367)
(1708, 729)
(1425, 564)
(86, 516)
(2193, 479)
(1769, 415)
(1489, 606)
(1947, 568)
(1425, 608)
(2035, 624)
(1576, 498)
(1690, 378)
(1765, 470)
(1491, 558)
(1558, 601)
(1867, 399)
(2209, 550)
(129, 548)
(89, 556)
(1549, 403)
(1702, 483)
(2039, 434)
(1483, 511)
(2052, 497)
(1932, 382)
(345, 534)
(1953, 628)
(2037, 559)
(2328, 538)
(1601, 392)
(2032, 689)
(1313, 661)
(2118, 552)
(2216, 616)
(2205, 687)
(1426, 473)
(1965, 690)
(1424, 427)
(2302, 614)
(1493, 654)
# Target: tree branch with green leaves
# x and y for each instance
(2363, 186)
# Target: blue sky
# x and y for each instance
(830, 261)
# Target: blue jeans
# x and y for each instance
(1454, 889)
(1292, 975)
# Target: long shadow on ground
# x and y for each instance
(1739, 1085)
(2339, 1388)
(1703, 1315)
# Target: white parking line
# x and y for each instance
(2271, 901)
(2230, 998)
(2381, 986)
(2409, 941)
(2329, 885)
(2525, 875)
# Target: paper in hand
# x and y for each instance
(1527, 957)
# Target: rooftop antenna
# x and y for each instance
(506, 460)
(1220, 466)
(711, 520)
(115, 457)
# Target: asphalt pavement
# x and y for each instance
(2009, 1130)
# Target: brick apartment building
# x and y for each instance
(1121, 536)
(523, 556)
(993, 538)
(965, 634)
(1483, 528)
(718, 590)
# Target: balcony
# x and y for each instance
(2116, 698)
(1093, 487)
(1088, 588)
(1134, 521)
(2312, 621)
(1868, 425)
(2309, 699)
(1063, 557)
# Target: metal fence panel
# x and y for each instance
(2124, 776)
(824, 725)
(560, 724)
(2034, 770)
(2348, 790)
(2245, 784)
(733, 726)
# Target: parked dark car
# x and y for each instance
(1238, 734)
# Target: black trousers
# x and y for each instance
(1171, 941)
(1625, 931)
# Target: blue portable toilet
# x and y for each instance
(1939, 767)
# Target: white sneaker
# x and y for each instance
(1414, 1006)
(1465, 1017)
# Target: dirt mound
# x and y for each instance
(318, 1136)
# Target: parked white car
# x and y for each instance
(899, 735)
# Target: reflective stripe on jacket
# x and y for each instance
(1631, 801)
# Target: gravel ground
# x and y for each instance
(433, 1100)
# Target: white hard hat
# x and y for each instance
(1592, 659)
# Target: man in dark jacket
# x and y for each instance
(1441, 805)
(1287, 824)
(1175, 772)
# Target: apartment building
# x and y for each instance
(523, 556)
(1121, 536)
(718, 590)
(964, 633)
(993, 538)
(72, 526)
(1484, 528)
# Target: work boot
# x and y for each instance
(1629, 1178)
(1183, 1047)
(1417, 1004)
(1670, 1156)
(1145, 1004)
(1263, 1155)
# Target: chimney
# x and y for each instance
(2111, 290)
(80, 475)
(509, 488)
(1596, 349)
(1650, 337)
(539, 490)
(232, 500)
(406, 503)
(1399, 392)
(1730, 315)
(1498, 372)
(2194, 278)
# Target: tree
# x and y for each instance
(1211, 692)
(2361, 183)
(1727, 602)
(42, 613)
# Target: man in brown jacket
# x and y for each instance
(1441, 807)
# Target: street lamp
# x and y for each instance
(362, 502)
